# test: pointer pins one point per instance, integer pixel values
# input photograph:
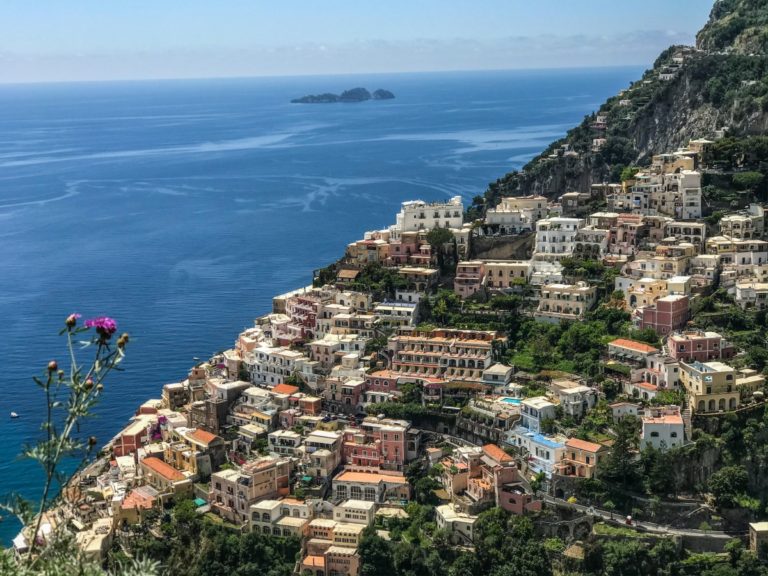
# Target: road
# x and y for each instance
(640, 526)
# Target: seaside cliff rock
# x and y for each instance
(718, 87)
(352, 95)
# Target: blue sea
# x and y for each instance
(181, 207)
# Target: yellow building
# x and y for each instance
(500, 274)
(711, 386)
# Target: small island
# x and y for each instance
(353, 95)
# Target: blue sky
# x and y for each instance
(102, 39)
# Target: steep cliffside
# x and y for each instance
(719, 86)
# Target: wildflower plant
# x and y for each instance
(72, 390)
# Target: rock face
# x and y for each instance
(352, 95)
(720, 85)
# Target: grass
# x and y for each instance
(603, 529)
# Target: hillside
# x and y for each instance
(690, 92)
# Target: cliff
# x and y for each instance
(719, 86)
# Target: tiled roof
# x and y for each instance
(368, 478)
(633, 345)
(165, 470)
(582, 445)
(202, 436)
(497, 453)
(285, 389)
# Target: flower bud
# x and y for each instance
(52, 366)
(92, 441)
(123, 340)
(88, 384)
(99, 387)
(71, 320)
(61, 373)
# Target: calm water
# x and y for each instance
(180, 208)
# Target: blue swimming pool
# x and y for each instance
(511, 400)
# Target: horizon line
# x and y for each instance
(315, 75)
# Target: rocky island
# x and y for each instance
(353, 95)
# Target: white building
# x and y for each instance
(459, 525)
(663, 428)
(284, 442)
(565, 302)
(418, 215)
(541, 452)
(751, 294)
(535, 410)
(556, 237)
(355, 512)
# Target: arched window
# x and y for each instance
(654, 434)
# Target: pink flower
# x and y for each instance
(104, 325)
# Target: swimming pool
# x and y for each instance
(510, 400)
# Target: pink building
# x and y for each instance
(407, 250)
(376, 444)
(469, 278)
(668, 314)
(699, 345)
(381, 381)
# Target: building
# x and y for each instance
(575, 399)
(744, 225)
(371, 487)
(663, 428)
(355, 512)
(556, 237)
(285, 517)
(699, 345)
(711, 386)
(752, 295)
(457, 524)
(418, 215)
(443, 353)
(506, 275)
(284, 442)
(581, 458)
(540, 452)
(668, 314)
(534, 411)
(758, 537)
(560, 302)
(625, 350)
(164, 478)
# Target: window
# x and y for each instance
(654, 434)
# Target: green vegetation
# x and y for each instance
(193, 545)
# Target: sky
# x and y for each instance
(57, 40)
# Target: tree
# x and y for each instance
(619, 467)
(727, 484)
(438, 238)
(375, 554)
(747, 180)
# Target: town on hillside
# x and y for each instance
(577, 361)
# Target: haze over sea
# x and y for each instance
(181, 207)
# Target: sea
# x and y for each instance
(180, 208)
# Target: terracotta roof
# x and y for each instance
(202, 436)
(497, 453)
(583, 445)
(368, 478)
(135, 499)
(285, 389)
(646, 386)
(666, 419)
(348, 274)
(165, 470)
(633, 345)
(314, 561)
